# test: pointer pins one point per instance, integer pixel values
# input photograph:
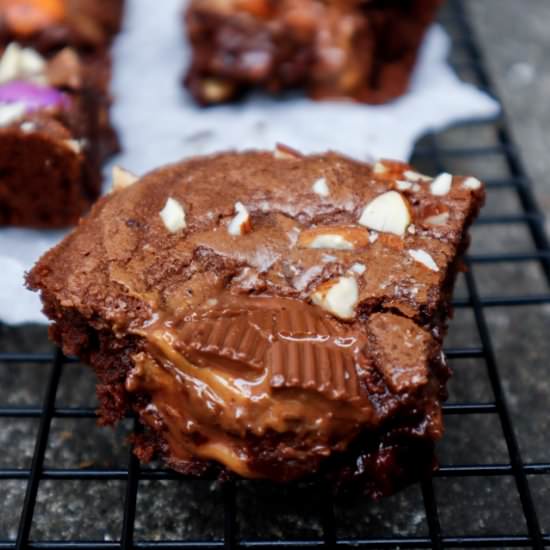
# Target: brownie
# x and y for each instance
(268, 314)
(359, 49)
(54, 135)
(55, 130)
(50, 25)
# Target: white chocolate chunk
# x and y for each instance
(413, 176)
(21, 63)
(240, 224)
(173, 216)
(10, 112)
(359, 268)
(320, 187)
(471, 183)
(424, 258)
(338, 297)
(403, 185)
(438, 219)
(442, 184)
(123, 178)
(388, 213)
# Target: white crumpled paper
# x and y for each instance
(158, 123)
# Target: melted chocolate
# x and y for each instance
(250, 366)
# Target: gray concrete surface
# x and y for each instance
(516, 44)
(515, 40)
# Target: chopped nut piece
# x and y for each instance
(64, 70)
(122, 178)
(424, 258)
(442, 184)
(327, 258)
(10, 112)
(338, 297)
(173, 216)
(379, 168)
(215, 90)
(31, 64)
(28, 127)
(403, 185)
(74, 144)
(21, 63)
(410, 175)
(241, 223)
(389, 212)
(320, 187)
(336, 237)
(330, 241)
(284, 152)
(471, 183)
(438, 219)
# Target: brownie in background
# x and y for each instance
(359, 49)
(55, 131)
(267, 314)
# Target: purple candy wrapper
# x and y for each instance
(34, 96)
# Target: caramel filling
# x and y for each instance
(250, 367)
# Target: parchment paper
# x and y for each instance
(158, 123)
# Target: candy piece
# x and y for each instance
(34, 96)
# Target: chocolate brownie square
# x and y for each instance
(269, 315)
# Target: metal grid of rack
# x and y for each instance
(515, 468)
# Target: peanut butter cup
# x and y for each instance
(267, 314)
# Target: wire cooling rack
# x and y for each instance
(244, 515)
